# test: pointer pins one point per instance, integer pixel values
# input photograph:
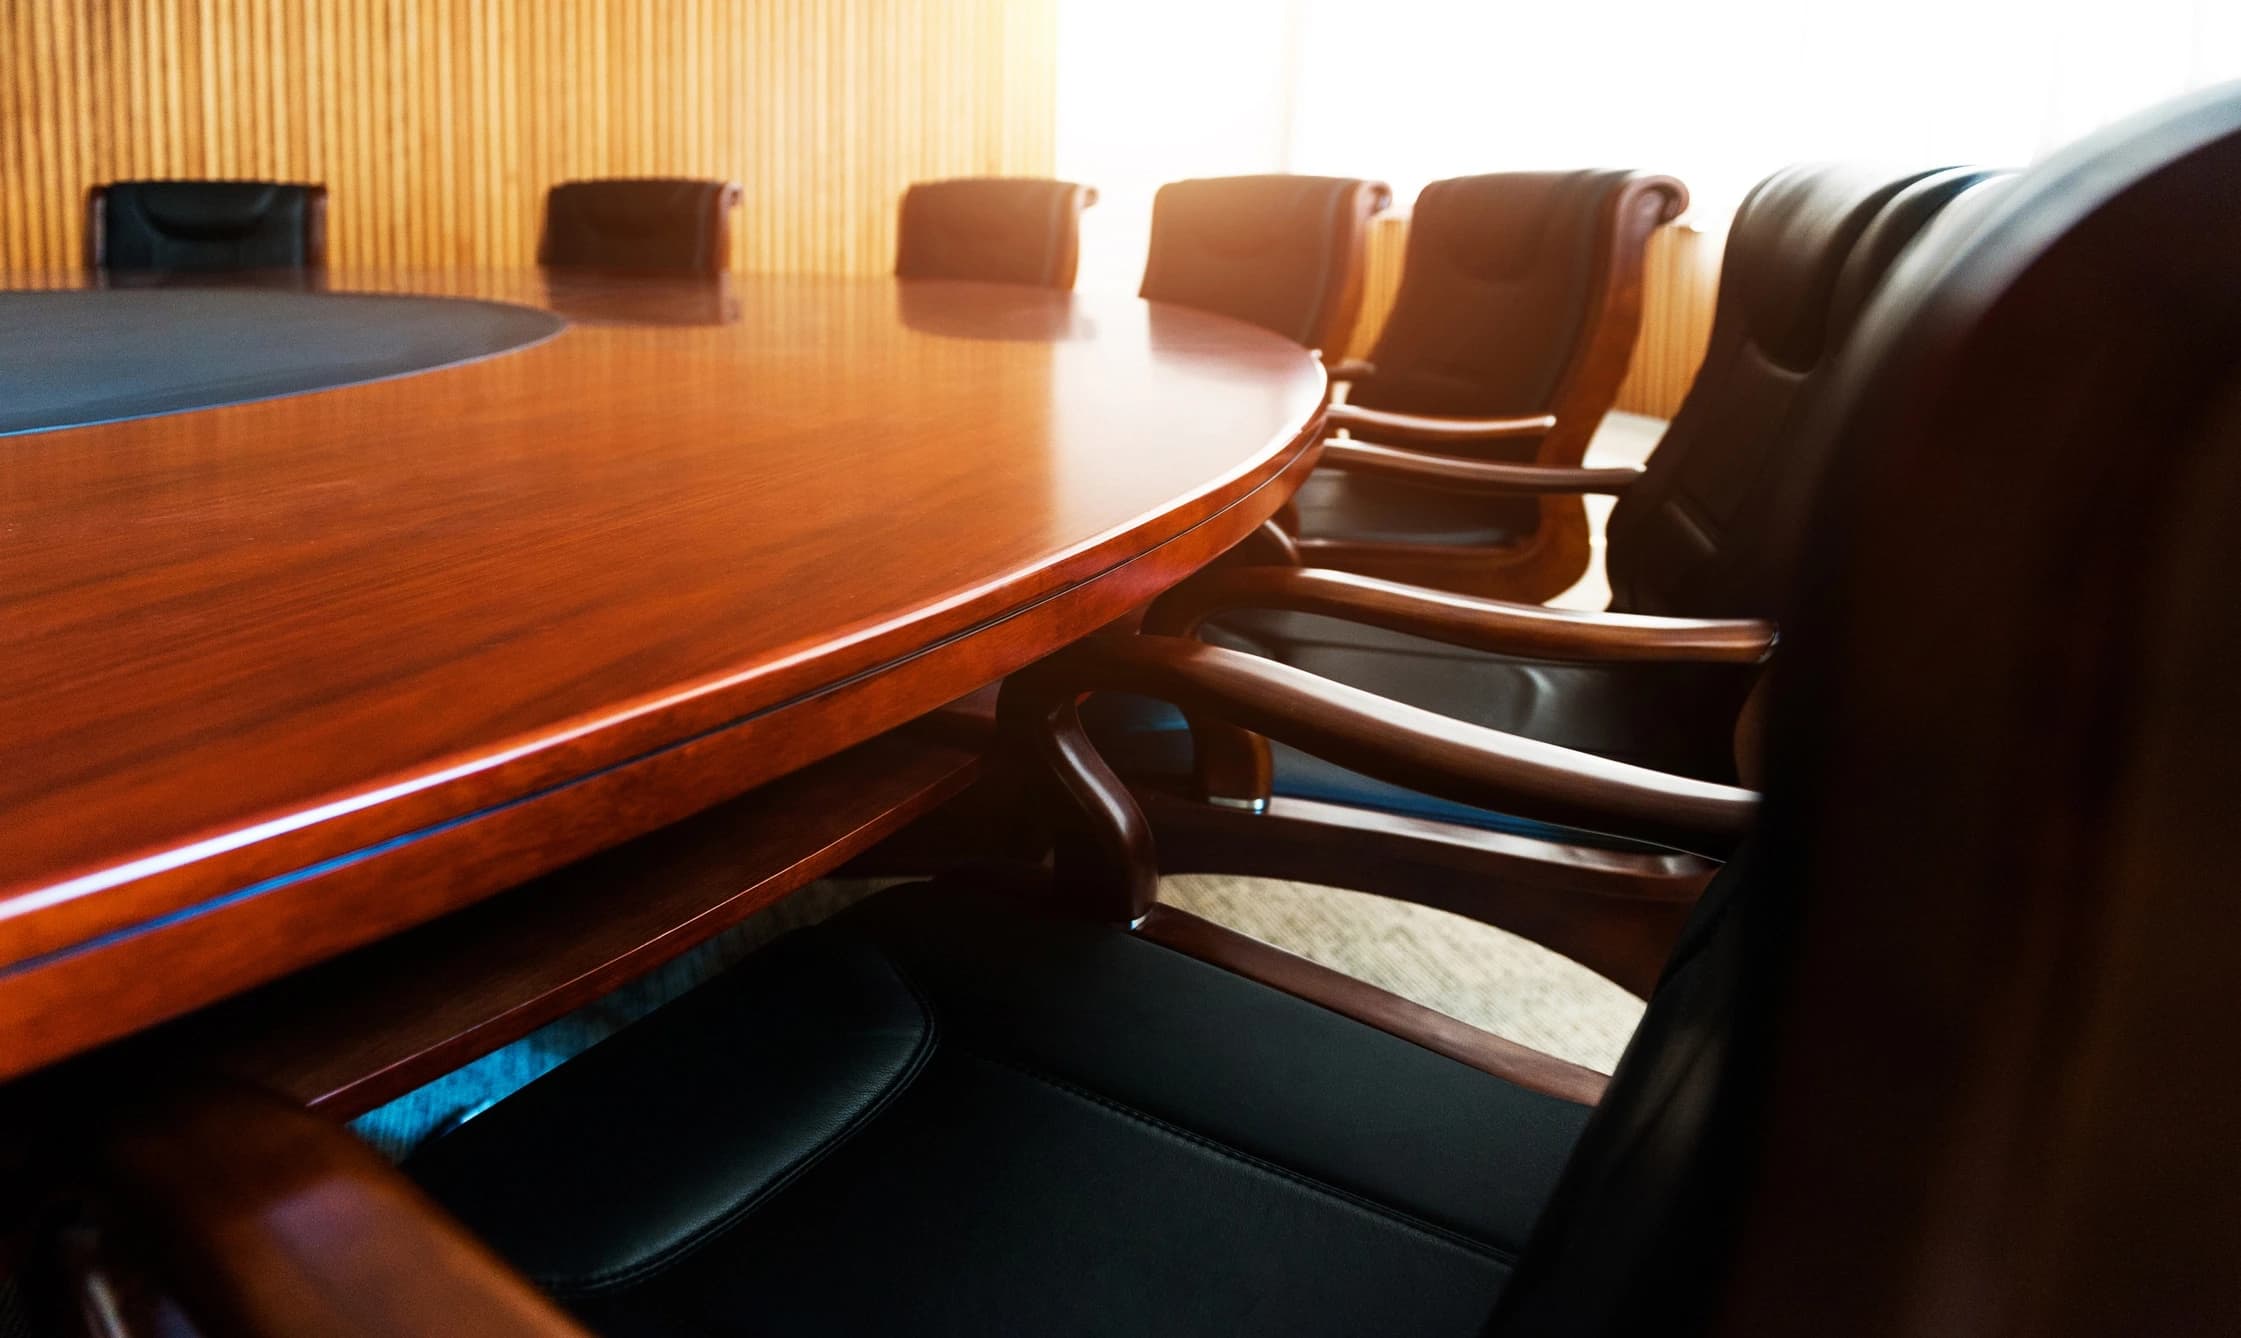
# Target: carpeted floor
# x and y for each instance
(1482, 975)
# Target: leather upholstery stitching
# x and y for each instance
(648, 1268)
(1398, 1217)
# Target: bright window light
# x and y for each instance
(1716, 92)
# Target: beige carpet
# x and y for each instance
(1464, 969)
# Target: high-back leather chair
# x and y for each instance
(205, 225)
(650, 224)
(1519, 304)
(1808, 247)
(1702, 531)
(1287, 253)
(1978, 920)
(993, 229)
(1520, 294)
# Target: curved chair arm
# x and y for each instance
(1421, 430)
(1461, 474)
(1397, 743)
(1349, 369)
(1463, 620)
(265, 1219)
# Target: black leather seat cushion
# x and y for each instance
(1676, 718)
(937, 1114)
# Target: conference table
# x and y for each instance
(490, 637)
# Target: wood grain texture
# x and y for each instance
(1680, 282)
(293, 675)
(437, 125)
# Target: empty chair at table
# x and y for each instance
(1519, 303)
(1287, 253)
(992, 229)
(1699, 552)
(659, 225)
(205, 226)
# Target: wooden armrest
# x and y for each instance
(264, 1219)
(1419, 430)
(1463, 620)
(1349, 369)
(1404, 745)
(1459, 474)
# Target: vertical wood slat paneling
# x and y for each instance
(1681, 277)
(1680, 280)
(437, 125)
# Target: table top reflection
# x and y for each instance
(248, 644)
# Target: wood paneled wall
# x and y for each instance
(438, 124)
(1680, 280)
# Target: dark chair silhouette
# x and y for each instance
(1944, 1047)
(205, 226)
(992, 229)
(643, 224)
(1696, 551)
(1287, 253)
(1520, 300)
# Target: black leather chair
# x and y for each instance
(205, 226)
(1519, 303)
(1945, 1049)
(993, 229)
(1287, 253)
(1700, 536)
(674, 225)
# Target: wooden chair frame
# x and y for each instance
(1614, 911)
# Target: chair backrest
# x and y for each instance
(994, 229)
(205, 225)
(1697, 534)
(650, 224)
(1288, 253)
(1950, 1049)
(1521, 293)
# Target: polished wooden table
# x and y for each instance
(282, 678)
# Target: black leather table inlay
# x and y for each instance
(72, 358)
